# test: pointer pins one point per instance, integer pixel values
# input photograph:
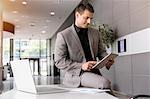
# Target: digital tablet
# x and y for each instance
(103, 62)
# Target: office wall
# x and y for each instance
(132, 20)
(128, 16)
(69, 21)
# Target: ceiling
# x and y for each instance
(33, 20)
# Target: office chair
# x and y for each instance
(140, 96)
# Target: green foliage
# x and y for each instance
(108, 34)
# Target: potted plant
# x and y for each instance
(108, 34)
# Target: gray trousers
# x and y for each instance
(93, 80)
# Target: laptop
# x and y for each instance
(25, 82)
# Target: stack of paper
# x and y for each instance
(90, 90)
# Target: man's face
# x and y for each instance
(83, 19)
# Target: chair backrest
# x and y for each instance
(140, 96)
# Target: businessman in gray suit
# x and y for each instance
(76, 50)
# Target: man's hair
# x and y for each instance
(82, 7)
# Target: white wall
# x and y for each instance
(137, 42)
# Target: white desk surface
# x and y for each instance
(14, 94)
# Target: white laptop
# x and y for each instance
(24, 80)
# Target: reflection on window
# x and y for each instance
(29, 48)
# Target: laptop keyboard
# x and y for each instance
(50, 89)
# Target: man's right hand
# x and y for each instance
(88, 65)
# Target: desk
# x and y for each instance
(14, 94)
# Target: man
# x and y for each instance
(76, 50)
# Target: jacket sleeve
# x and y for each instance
(62, 60)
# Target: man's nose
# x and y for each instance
(89, 21)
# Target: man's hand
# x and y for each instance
(109, 64)
(88, 65)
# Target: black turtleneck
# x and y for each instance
(83, 36)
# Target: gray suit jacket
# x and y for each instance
(69, 54)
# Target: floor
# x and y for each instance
(45, 80)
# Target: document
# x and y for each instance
(90, 90)
(100, 64)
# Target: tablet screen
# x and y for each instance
(103, 62)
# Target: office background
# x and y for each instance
(131, 72)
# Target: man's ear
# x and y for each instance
(77, 14)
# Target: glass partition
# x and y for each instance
(30, 49)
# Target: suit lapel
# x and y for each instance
(90, 36)
(77, 41)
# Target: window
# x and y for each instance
(122, 46)
(32, 49)
(6, 51)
